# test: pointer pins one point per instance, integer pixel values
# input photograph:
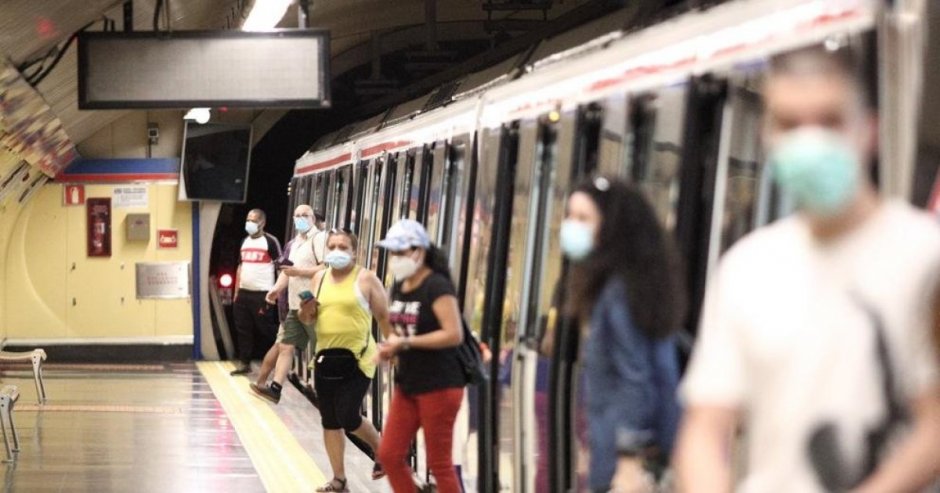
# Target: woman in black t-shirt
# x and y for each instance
(427, 328)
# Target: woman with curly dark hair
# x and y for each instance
(626, 288)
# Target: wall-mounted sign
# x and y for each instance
(126, 197)
(73, 195)
(167, 238)
(162, 280)
(99, 227)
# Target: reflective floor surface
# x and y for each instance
(165, 428)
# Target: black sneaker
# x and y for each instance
(266, 393)
(242, 369)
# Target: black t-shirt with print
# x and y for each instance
(424, 370)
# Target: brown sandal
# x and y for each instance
(334, 485)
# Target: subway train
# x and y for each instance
(486, 163)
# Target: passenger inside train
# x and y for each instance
(552, 246)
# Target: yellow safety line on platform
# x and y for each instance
(282, 464)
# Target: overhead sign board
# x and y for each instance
(183, 69)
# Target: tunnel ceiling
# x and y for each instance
(378, 46)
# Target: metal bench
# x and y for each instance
(9, 394)
(36, 357)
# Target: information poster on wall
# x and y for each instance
(163, 280)
(98, 223)
(131, 197)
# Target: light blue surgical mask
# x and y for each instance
(818, 168)
(302, 224)
(577, 239)
(251, 227)
(338, 259)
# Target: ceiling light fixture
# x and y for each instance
(265, 14)
(201, 115)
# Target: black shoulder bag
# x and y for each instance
(471, 361)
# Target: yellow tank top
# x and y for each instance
(344, 319)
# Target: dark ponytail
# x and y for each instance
(436, 260)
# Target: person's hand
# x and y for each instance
(308, 310)
(631, 478)
(271, 297)
(290, 271)
(389, 348)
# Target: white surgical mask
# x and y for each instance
(577, 239)
(402, 267)
(251, 227)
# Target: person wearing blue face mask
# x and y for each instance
(815, 329)
(626, 288)
(346, 298)
(295, 275)
(255, 276)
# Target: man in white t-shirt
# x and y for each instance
(295, 277)
(815, 331)
(255, 276)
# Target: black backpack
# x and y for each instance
(468, 352)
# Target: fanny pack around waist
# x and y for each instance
(335, 364)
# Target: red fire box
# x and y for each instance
(73, 195)
(167, 238)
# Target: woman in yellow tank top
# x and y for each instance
(346, 299)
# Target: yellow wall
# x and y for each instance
(60, 293)
(9, 210)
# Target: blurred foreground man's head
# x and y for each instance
(821, 134)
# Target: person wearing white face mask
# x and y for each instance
(815, 329)
(255, 276)
(429, 376)
(345, 300)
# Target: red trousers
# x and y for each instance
(434, 412)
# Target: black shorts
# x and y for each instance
(341, 400)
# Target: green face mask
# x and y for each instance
(818, 168)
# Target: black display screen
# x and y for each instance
(215, 162)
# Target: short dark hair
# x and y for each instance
(844, 62)
(319, 216)
(260, 213)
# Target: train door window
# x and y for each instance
(657, 123)
(740, 175)
(404, 206)
(359, 201)
(420, 181)
(343, 197)
(293, 201)
(383, 212)
(612, 145)
(370, 217)
(588, 138)
(309, 189)
(438, 167)
(460, 180)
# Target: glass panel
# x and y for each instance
(438, 167)
(745, 166)
(361, 196)
(458, 189)
(658, 120)
(612, 149)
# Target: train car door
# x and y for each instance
(486, 287)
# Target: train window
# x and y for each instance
(587, 140)
(744, 166)
(439, 167)
(612, 139)
(358, 205)
(424, 164)
(369, 216)
(657, 121)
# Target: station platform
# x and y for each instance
(167, 427)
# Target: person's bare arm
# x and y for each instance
(378, 300)
(703, 451)
(915, 463)
(308, 309)
(279, 286)
(238, 276)
(294, 271)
